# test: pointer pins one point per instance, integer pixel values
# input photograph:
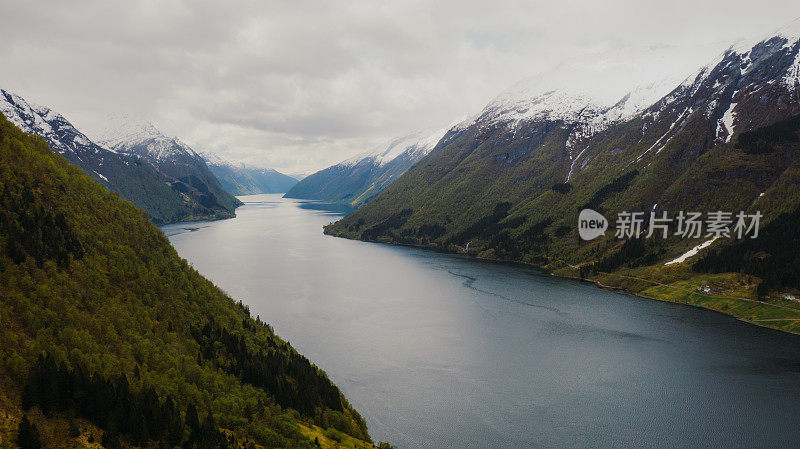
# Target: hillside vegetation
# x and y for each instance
(727, 139)
(108, 337)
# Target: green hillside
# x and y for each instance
(459, 199)
(513, 191)
(108, 337)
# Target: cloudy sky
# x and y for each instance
(298, 85)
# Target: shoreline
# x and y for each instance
(599, 284)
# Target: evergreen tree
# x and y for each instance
(192, 419)
(28, 435)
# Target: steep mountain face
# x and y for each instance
(510, 184)
(360, 178)
(528, 139)
(241, 179)
(128, 176)
(109, 336)
(184, 170)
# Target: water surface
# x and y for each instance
(441, 351)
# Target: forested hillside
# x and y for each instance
(510, 185)
(108, 336)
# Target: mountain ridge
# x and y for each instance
(128, 176)
(512, 189)
(239, 178)
(186, 171)
(356, 180)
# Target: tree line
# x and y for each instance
(136, 417)
(289, 377)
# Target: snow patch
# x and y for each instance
(726, 122)
(792, 78)
(682, 258)
(100, 175)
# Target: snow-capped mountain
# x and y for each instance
(415, 145)
(581, 99)
(358, 179)
(128, 134)
(43, 121)
(238, 178)
(511, 182)
(749, 85)
(126, 175)
(184, 169)
(538, 98)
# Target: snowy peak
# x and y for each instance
(523, 104)
(216, 159)
(137, 136)
(748, 54)
(585, 98)
(176, 189)
(786, 35)
(416, 145)
(552, 97)
(43, 121)
(593, 94)
(360, 178)
(128, 128)
(600, 90)
(733, 89)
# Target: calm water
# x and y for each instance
(441, 351)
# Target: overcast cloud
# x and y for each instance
(298, 85)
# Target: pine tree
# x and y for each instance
(74, 430)
(192, 419)
(28, 435)
(110, 441)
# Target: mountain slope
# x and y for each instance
(132, 179)
(510, 184)
(242, 179)
(108, 335)
(185, 171)
(358, 179)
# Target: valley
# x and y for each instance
(602, 254)
(443, 350)
(509, 184)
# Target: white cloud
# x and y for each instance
(299, 85)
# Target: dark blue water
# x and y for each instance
(440, 351)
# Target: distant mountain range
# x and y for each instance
(360, 178)
(181, 167)
(159, 174)
(509, 184)
(241, 179)
(130, 177)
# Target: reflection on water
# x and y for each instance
(341, 209)
(171, 230)
(439, 350)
